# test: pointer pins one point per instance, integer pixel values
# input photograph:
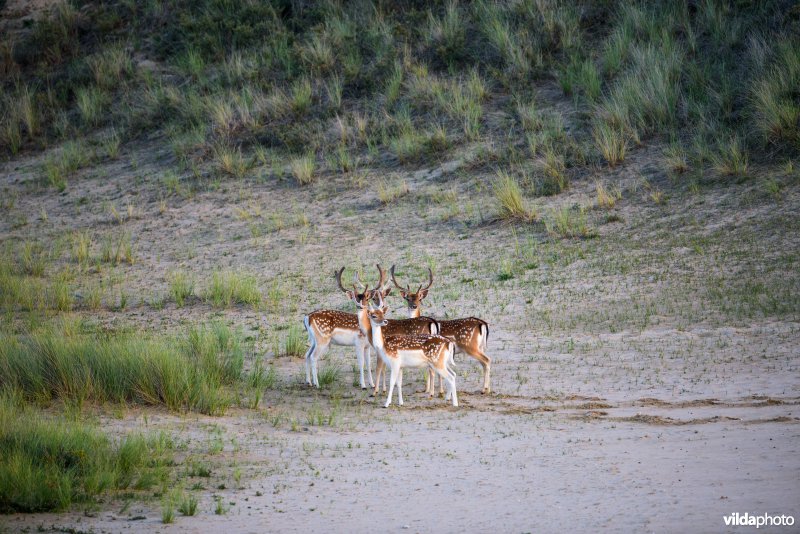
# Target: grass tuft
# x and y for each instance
(303, 169)
(509, 196)
(566, 222)
(229, 287)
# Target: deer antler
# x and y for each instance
(382, 280)
(339, 279)
(401, 288)
(430, 281)
(357, 278)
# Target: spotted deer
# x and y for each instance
(340, 328)
(394, 327)
(469, 334)
(433, 352)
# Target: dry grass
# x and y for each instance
(510, 199)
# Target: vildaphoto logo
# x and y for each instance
(765, 520)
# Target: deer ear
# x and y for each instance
(422, 294)
(403, 294)
(385, 309)
(351, 295)
(386, 292)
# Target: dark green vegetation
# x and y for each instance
(231, 84)
(50, 463)
(188, 373)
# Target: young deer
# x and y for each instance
(340, 328)
(470, 334)
(394, 327)
(397, 352)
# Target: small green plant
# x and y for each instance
(188, 505)
(329, 374)
(219, 507)
(110, 145)
(567, 222)
(731, 158)
(92, 101)
(167, 511)
(230, 161)
(230, 287)
(81, 247)
(293, 343)
(301, 96)
(181, 287)
(508, 194)
(33, 258)
(611, 142)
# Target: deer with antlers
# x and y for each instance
(470, 334)
(433, 352)
(340, 328)
(394, 327)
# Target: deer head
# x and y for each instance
(413, 299)
(377, 313)
(361, 297)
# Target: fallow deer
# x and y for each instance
(469, 334)
(393, 327)
(340, 328)
(433, 352)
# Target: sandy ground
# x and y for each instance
(647, 380)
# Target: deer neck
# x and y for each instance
(364, 323)
(377, 337)
(414, 313)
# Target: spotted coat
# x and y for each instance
(464, 332)
(325, 321)
(432, 346)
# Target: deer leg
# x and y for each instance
(360, 348)
(309, 356)
(315, 356)
(312, 340)
(400, 387)
(451, 386)
(427, 376)
(379, 370)
(486, 363)
(392, 381)
(368, 354)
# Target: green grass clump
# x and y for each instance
(92, 103)
(329, 374)
(731, 158)
(229, 287)
(509, 197)
(775, 101)
(645, 99)
(188, 505)
(181, 287)
(611, 142)
(49, 464)
(303, 169)
(567, 222)
(57, 362)
(293, 343)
